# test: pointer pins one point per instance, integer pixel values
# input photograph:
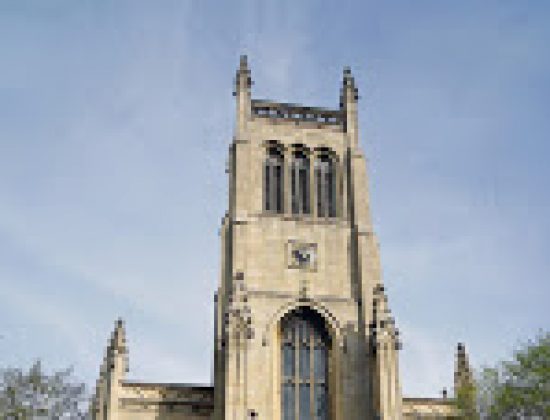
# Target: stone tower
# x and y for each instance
(302, 326)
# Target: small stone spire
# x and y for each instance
(463, 376)
(118, 337)
(349, 80)
(243, 80)
(349, 92)
(117, 349)
(243, 84)
(105, 401)
(348, 105)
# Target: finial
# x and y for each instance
(243, 81)
(118, 335)
(348, 77)
(243, 64)
(348, 92)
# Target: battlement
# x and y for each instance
(296, 113)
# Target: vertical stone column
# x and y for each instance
(383, 385)
(348, 106)
(398, 403)
(387, 344)
(234, 409)
(243, 85)
(395, 400)
(119, 356)
(242, 153)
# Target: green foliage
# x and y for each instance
(36, 395)
(520, 388)
(487, 386)
(466, 402)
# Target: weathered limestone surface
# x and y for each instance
(429, 408)
(144, 401)
(258, 286)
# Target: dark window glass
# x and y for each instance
(279, 188)
(288, 397)
(320, 363)
(294, 196)
(304, 361)
(267, 184)
(320, 398)
(318, 176)
(299, 179)
(304, 188)
(288, 360)
(273, 181)
(305, 405)
(325, 179)
(304, 348)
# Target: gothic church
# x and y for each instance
(303, 330)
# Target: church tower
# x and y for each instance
(302, 326)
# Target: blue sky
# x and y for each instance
(115, 120)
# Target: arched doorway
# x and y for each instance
(305, 346)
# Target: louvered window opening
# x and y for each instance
(273, 182)
(325, 180)
(300, 183)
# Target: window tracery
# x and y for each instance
(304, 369)
(325, 183)
(299, 174)
(274, 179)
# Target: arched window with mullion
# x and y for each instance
(305, 349)
(325, 181)
(299, 174)
(273, 180)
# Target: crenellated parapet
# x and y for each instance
(277, 111)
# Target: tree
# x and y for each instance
(37, 395)
(487, 385)
(520, 388)
(466, 402)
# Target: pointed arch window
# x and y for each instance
(299, 174)
(325, 183)
(273, 179)
(305, 348)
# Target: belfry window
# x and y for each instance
(325, 182)
(299, 174)
(305, 347)
(273, 180)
